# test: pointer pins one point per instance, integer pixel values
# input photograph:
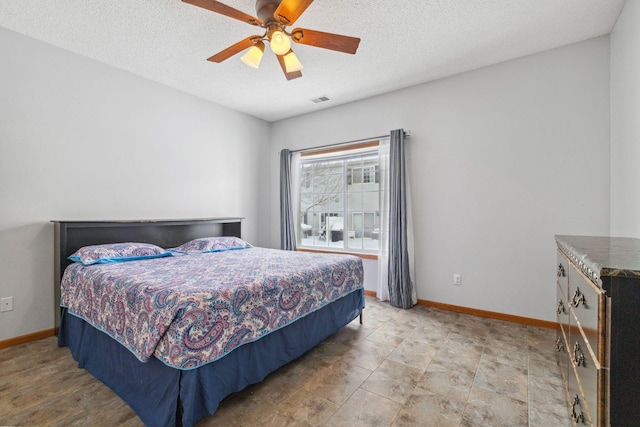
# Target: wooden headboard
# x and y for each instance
(72, 235)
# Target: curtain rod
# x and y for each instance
(407, 134)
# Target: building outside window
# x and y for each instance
(340, 200)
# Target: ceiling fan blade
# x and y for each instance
(289, 11)
(234, 49)
(331, 41)
(289, 76)
(223, 9)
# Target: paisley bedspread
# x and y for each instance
(193, 309)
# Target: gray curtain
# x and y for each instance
(400, 286)
(287, 222)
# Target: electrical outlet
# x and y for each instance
(6, 304)
(457, 279)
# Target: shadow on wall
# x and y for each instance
(27, 274)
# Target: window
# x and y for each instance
(340, 199)
(363, 175)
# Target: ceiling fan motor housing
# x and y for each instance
(266, 8)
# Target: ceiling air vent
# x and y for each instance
(320, 99)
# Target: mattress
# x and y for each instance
(191, 310)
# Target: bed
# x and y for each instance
(150, 329)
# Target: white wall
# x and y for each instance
(490, 160)
(81, 140)
(625, 122)
(502, 159)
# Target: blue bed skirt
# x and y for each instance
(166, 396)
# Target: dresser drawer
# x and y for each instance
(562, 308)
(584, 299)
(588, 372)
(577, 408)
(562, 356)
(562, 272)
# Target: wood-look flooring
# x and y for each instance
(418, 367)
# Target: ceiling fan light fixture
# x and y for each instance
(279, 42)
(291, 62)
(254, 55)
(274, 17)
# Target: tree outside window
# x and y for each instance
(340, 201)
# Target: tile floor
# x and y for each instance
(418, 367)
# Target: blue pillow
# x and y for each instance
(117, 252)
(212, 244)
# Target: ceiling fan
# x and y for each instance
(274, 16)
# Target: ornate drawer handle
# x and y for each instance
(578, 359)
(578, 298)
(578, 418)
(561, 308)
(561, 272)
(559, 344)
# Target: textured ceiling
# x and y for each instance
(404, 42)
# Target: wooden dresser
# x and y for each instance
(598, 343)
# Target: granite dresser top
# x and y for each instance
(603, 256)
